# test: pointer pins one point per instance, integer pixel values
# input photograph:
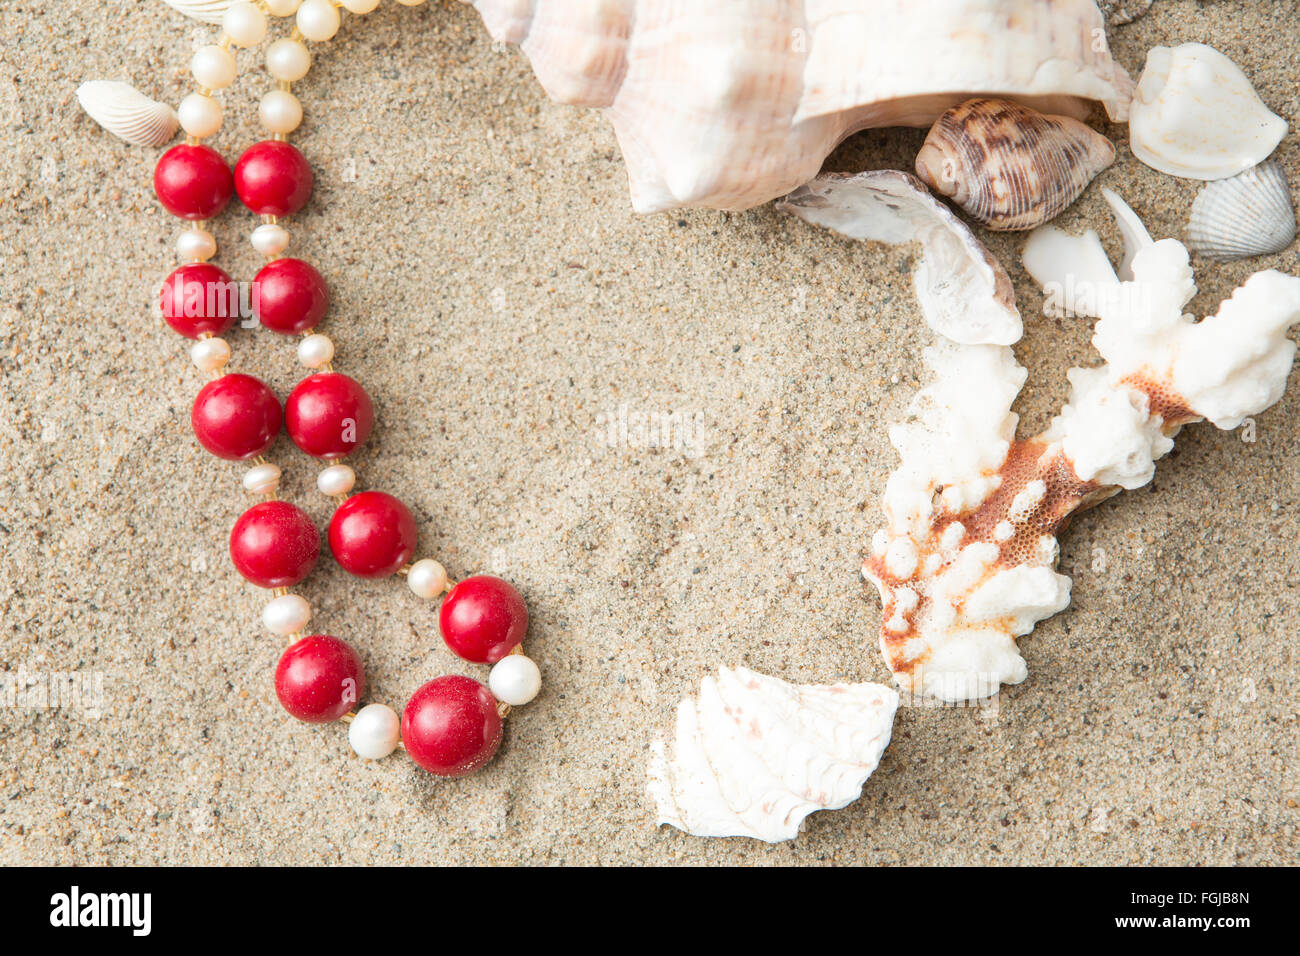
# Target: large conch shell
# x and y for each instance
(753, 755)
(205, 11)
(731, 103)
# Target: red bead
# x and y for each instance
(236, 417)
(483, 618)
(274, 544)
(319, 679)
(289, 296)
(328, 415)
(273, 178)
(193, 182)
(372, 535)
(451, 727)
(199, 298)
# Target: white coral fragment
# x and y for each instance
(753, 755)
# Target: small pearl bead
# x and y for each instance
(282, 8)
(318, 20)
(270, 239)
(280, 111)
(200, 115)
(287, 614)
(213, 67)
(360, 6)
(336, 480)
(244, 23)
(196, 245)
(288, 60)
(514, 680)
(410, 3)
(427, 578)
(208, 355)
(315, 350)
(262, 479)
(374, 731)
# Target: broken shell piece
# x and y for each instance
(205, 11)
(1135, 235)
(753, 755)
(127, 113)
(1195, 114)
(1248, 215)
(965, 293)
(1008, 166)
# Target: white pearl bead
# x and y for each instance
(200, 115)
(287, 614)
(374, 731)
(514, 680)
(208, 355)
(261, 479)
(244, 23)
(360, 6)
(213, 67)
(336, 480)
(427, 578)
(269, 239)
(315, 350)
(282, 8)
(318, 20)
(196, 245)
(410, 3)
(280, 111)
(288, 60)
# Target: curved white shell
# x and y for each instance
(1195, 114)
(127, 113)
(1248, 215)
(732, 104)
(965, 293)
(207, 11)
(753, 755)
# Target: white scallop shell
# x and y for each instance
(127, 113)
(1195, 114)
(1248, 215)
(753, 755)
(207, 11)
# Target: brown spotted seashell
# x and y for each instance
(1008, 166)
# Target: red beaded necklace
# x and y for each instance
(452, 725)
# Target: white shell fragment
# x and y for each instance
(205, 11)
(127, 113)
(1247, 215)
(729, 105)
(753, 755)
(965, 293)
(1195, 114)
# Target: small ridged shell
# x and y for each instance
(127, 113)
(1008, 166)
(207, 11)
(1247, 215)
(753, 755)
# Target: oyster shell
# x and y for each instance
(1249, 214)
(127, 113)
(1195, 114)
(1008, 166)
(753, 755)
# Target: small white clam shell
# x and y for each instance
(1195, 114)
(753, 755)
(1248, 215)
(127, 113)
(207, 11)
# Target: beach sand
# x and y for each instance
(497, 296)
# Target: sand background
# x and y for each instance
(493, 290)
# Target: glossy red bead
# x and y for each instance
(274, 544)
(236, 417)
(273, 178)
(328, 415)
(451, 727)
(289, 296)
(193, 182)
(199, 299)
(372, 534)
(483, 618)
(319, 679)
